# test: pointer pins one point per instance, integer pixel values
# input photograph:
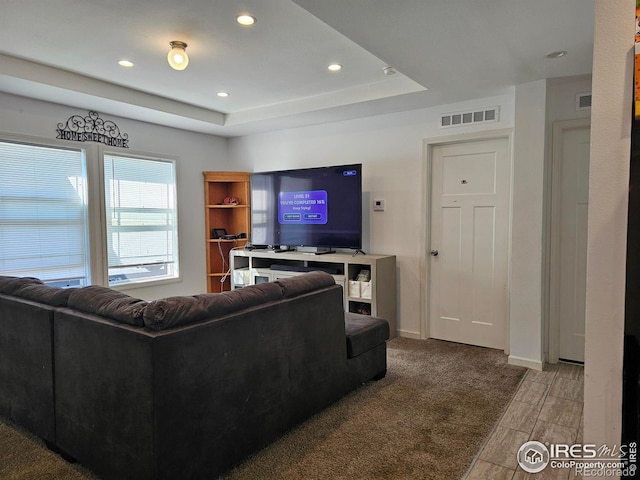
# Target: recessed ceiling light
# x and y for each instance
(223, 94)
(125, 63)
(335, 67)
(389, 70)
(245, 20)
(557, 54)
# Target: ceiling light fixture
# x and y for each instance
(246, 20)
(335, 67)
(557, 54)
(177, 57)
(125, 63)
(389, 70)
(223, 94)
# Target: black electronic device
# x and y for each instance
(217, 233)
(309, 207)
(235, 236)
(249, 246)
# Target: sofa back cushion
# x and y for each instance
(8, 285)
(301, 284)
(181, 310)
(54, 296)
(108, 303)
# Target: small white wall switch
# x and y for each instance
(378, 205)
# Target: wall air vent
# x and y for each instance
(471, 117)
(583, 101)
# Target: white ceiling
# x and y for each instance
(67, 51)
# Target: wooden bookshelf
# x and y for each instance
(227, 197)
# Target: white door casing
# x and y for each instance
(570, 199)
(468, 288)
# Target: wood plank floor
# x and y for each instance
(548, 408)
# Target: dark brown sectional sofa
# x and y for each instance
(182, 387)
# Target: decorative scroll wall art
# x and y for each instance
(92, 128)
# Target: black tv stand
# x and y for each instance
(358, 250)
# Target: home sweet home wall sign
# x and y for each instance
(92, 128)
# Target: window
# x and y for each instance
(141, 219)
(43, 213)
(45, 219)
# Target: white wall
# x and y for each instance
(526, 332)
(561, 106)
(561, 96)
(537, 106)
(390, 147)
(608, 201)
(195, 153)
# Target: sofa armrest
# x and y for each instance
(364, 332)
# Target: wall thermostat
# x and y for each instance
(378, 205)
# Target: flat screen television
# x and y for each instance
(309, 207)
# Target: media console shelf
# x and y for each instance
(376, 297)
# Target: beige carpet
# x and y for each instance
(426, 420)
(24, 457)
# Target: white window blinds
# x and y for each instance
(43, 213)
(141, 219)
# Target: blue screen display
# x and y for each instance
(302, 208)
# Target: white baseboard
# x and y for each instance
(526, 362)
(409, 334)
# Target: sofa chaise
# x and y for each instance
(182, 387)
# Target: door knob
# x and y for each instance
(434, 253)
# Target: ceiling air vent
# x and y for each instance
(471, 117)
(583, 101)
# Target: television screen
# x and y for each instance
(310, 207)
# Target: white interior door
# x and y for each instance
(469, 231)
(569, 260)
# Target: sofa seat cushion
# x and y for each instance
(8, 285)
(54, 296)
(364, 332)
(108, 303)
(181, 310)
(305, 283)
